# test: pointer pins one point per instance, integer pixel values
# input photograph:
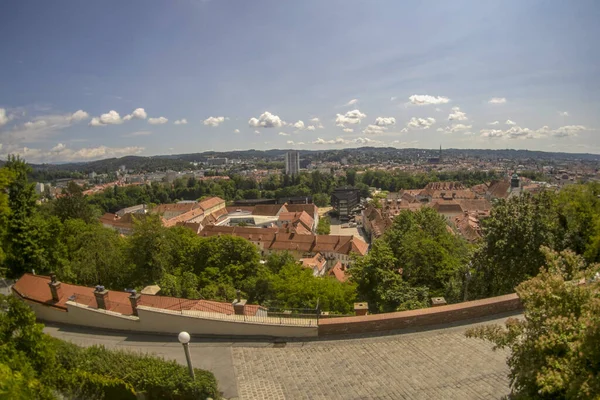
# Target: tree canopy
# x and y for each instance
(555, 348)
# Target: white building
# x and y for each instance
(39, 188)
(292, 162)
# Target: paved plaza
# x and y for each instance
(434, 364)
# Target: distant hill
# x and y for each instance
(362, 154)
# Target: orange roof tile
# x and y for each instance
(35, 288)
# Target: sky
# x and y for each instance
(85, 80)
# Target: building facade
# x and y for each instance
(345, 199)
(292, 162)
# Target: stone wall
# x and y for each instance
(154, 320)
(419, 318)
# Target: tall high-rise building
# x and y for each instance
(292, 162)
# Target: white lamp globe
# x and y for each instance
(184, 337)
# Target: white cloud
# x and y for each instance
(360, 140)
(455, 128)
(43, 126)
(348, 130)
(497, 100)
(374, 129)
(385, 121)
(393, 98)
(491, 133)
(257, 132)
(310, 128)
(424, 99)
(298, 125)
(213, 121)
(351, 102)
(340, 140)
(568, 131)
(516, 132)
(78, 115)
(182, 121)
(457, 115)
(283, 134)
(3, 117)
(337, 140)
(420, 123)
(351, 117)
(509, 122)
(291, 142)
(316, 123)
(493, 123)
(138, 113)
(61, 153)
(266, 120)
(158, 121)
(563, 113)
(236, 131)
(110, 118)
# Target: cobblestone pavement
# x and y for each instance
(440, 364)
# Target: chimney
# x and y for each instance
(54, 287)
(239, 304)
(361, 308)
(101, 295)
(438, 301)
(134, 299)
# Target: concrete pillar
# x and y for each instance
(361, 308)
(134, 298)
(438, 301)
(101, 295)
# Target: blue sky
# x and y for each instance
(256, 74)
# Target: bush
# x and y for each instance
(116, 373)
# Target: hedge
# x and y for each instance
(119, 374)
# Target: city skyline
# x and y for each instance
(86, 81)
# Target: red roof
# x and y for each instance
(211, 202)
(35, 288)
(338, 272)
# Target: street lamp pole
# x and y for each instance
(184, 339)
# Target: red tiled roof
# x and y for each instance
(499, 188)
(35, 288)
(338, 272)
(310, 209)
(447, 206)
(269, 209)
(176, 207)
(298, 217)
(211, 202)
(276, 239)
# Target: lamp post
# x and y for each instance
(184, 339)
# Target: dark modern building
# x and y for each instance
(344, 199)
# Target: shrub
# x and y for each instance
(116, 372)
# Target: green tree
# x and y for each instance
(321, 199)
(73, 204)
(96, 255)
(427, 252)
(555, 349)
(513, 234)
(150, 250)
(379, 282)
(578, 207)
(324, 227)
(30, 240)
